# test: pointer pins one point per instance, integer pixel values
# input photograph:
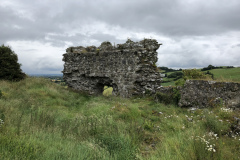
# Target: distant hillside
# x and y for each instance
(228, 74)
(219, 73)
(45, 75)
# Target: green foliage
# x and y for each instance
(180, 82)
(194, 74)
(169, 98)
(209, 73)
(155, 66)
(164, 98)
(175, 75)
(10, 68)
(210, 67)
(176, 95)
(166, 69)
(1, 94)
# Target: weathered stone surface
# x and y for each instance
(201, 94)
(129, 68)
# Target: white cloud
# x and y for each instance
(37, 57)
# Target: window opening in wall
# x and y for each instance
(107, 90)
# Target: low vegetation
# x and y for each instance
(222, 73)
(43, 120)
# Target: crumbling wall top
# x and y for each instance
(148, 44)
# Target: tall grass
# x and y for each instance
(227, 74)
(43, 120)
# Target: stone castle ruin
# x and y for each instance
(129, 68)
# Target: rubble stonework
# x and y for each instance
(129, 68)
(201, 94)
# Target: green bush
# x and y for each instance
(195, 74)
(176, 95)
(172, 97)
(180, 82)
(165, 98)
(10, 68)
(175, 75)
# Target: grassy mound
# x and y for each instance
(43, 120)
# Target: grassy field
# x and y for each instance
(227, 74)
(45, 121)
(223, 74)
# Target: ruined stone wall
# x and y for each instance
(129, 68)
(201, 94)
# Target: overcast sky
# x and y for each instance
(194, 33)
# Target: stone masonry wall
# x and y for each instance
(201, 94)
(129, 68)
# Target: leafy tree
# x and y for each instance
(9, 66)
(175, 75)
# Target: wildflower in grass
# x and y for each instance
(228, 110)
(209, 139)
(212, 135)
(211, 148)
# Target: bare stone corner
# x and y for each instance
(129, 68)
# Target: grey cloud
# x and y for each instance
(168, 17)
(18, 28)
(47, 64)
(237, 45)
(103, 37)
(172, 18)
(206, 45)
(61, 22)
